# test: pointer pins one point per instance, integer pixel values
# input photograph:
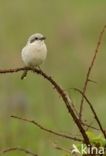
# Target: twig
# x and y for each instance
(93, 111)
(89, 70)
(89, 126)
(59, 89)
(9, 149)
(82, 122)
(47, 130)
(92, 81)
(61, 148)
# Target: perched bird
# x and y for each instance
(35, 52)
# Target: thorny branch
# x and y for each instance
(90, 69)
(10, 149)
(48, 130)
(59, 89)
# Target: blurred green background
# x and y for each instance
(72, 28)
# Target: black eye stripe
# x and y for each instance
(36, 38)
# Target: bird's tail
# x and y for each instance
(24, 74)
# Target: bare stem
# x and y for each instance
(90, 69)
(10, 149)
(93, 111)
(48, 130)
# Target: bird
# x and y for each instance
(34, 53)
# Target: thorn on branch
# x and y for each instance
(92, 81)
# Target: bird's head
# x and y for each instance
(36, 38)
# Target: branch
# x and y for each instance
(90, 69)
(59, 89)
(93, 111)
(48, 130)
(17, 149)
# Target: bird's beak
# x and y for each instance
(43, 38)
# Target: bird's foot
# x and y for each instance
(24, 74)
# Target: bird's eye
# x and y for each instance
(36, 38)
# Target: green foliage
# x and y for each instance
(96, 139)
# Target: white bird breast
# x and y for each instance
(34, 54)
